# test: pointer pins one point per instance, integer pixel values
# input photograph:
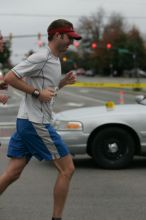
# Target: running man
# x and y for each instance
(35, 135)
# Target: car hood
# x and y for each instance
(100, 111)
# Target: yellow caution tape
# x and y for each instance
(106, 85)
(109, 85)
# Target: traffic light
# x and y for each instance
(64, 59)
(1, 36)
(1, 43)
(10, 37)
(94, 45)
(108, 45)
(39, 36)
(40, 42)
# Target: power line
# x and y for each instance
(26, 36)
(35, 15)
(73, 16)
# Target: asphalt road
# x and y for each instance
(95, 194)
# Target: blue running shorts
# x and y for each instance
(38, 140)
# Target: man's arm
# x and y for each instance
(18, 83)
(69, 78)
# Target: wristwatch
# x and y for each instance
(35, 93)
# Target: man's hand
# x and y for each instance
(70, 78)
(47, 94)
(3, 85)
(3, 98)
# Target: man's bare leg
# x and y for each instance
(66, 168)
(12, 172)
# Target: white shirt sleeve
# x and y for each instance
(31, 66)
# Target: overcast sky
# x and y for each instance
(22, 16)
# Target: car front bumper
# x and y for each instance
(75, 140)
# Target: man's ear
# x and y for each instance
(57, 34)
(62, 35)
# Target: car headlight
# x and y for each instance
(68, 125)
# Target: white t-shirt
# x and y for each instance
(41, 70)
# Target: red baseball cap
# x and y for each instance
(69, 30)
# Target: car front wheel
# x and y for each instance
(113, 148)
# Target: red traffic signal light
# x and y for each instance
(94, 45)
(40, 42)
(108, 45)
(39, 36)
(1, 36)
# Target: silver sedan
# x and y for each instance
(110, 134)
